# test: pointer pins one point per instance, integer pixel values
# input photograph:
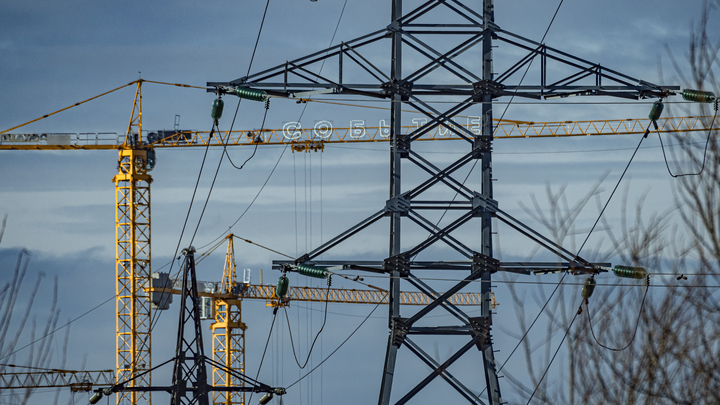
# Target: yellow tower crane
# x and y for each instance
(136, 157)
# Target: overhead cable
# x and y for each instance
(552, 359)
(322, 327)
(262, 358)
(337, 348)
(637, 323)
(707, 142)
(57, 329)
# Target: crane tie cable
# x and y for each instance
(261, 246)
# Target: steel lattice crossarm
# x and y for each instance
(76, 380)
(580, 77)
(525, 268)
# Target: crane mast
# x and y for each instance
(132, 261)
(228, 331)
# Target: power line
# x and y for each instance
(455, 280)
(292, 344)
(552, 359)
(613, 192)
(554, 152)
(152, 324)
(267, 342)
(57, 329)
(530, 327)
(707, 142)
(578, 253)
(590, 103)
(284, 149)
(253, 200)
(637, 323)
(336, 349)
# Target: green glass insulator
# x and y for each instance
(630, 272)
(217, 108)
(251, 94)
(656, 111)
(282, 286)
(698, 96)
(588, 288)
(312, 271)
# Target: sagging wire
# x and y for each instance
(637, 323)
(592, 278)
(286, 146)
(292, 344)
(707, 142)
(337, 348)
(586, 292)
(257, 140)
(216, 113)
(253, 200)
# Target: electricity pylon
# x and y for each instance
(473, 32)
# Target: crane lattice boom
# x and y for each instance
(76, 380)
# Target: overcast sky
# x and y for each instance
(60, 204)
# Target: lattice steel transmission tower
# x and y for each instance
(467, 34)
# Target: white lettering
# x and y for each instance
(357, 129)
(384, 129)
(323, 129)
(419, 122)
(292, 130)
(474, 124)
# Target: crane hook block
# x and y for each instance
(656, 111)
(698, 96)
(588, 288)
(251, 94)
(630, 272)
(282, 286)
(217, 109)
(312, 271)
